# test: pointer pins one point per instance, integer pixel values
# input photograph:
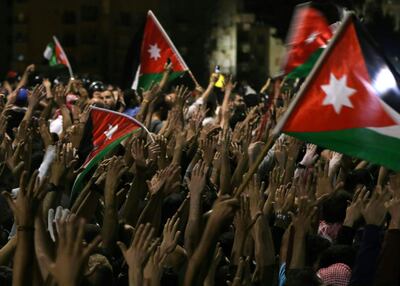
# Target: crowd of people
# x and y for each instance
(169, 211)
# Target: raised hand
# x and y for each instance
(324, 184)
(374, 210)
(208, 147)
(36, 95)
(173, 180)
(303, 219)
(354, 210)
(280, 154)
(157, 182)
(275, 181)
(224, 208)
(71, 255)
(255, 191)
(137, 254)
(284, 199)
(182, 95)
(116, 168)
(60, 96)
(45, 133)
(170, 235)
(310, 156)
(393, 207)
(27, 202)
(52, 217)
(138, 152)
(334, 163)
(197, 180)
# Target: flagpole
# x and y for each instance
(181, 60)
(278, 128)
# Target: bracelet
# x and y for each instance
(301, 166)
(25, 228)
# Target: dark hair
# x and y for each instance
(334, 208)
(359, 177)
(302, 277)
(338, 254)
(315, 245)
(131, 98)
(251, 99)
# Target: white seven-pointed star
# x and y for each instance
(337, 93)
(311, 38)
(154, 51)
(111, 130)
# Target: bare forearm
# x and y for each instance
(192, 231)
(152, 212)
(198, 263)
(136, 194)
(7, 251)
(164, 80)
(263, 249)
(67, 122)
(110, 228)
(299, 251)
(225, 175)
(23, 258)
(239, 171)
(207, 92)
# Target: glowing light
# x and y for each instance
(384, 81)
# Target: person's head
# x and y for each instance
(99, 271)
(336, 274)
(238, 102)
(96, 88)
(337, 254)
(359, 177)
(131, 98)
(108, 99)
(334, 208)
(302, 277)
(170, 98)
(315, 246)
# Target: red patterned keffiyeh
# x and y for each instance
(337, 274)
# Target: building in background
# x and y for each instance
(242, 43)
(97, 34)
(6, 21)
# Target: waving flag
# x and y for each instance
(104, 130)
(156, 49)
(312, 27)
(351, 101)
(55, 54)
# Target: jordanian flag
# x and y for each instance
(55, 54)
(104, 130)
(311, 29)
(350, 103)
(156, 49)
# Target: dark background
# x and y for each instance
(98, 34)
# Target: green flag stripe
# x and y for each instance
(361, 143)
(146, 80)
(304, 69)
(78, 184)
